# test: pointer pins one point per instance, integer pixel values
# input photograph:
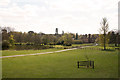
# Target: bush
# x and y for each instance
(67, 44)
(77, 42)
(5, 45)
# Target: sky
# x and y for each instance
(75, 16)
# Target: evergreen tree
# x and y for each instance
(76, 36)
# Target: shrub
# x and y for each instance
(5, 45)
(77, 42)
(67, 44)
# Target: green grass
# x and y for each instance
(107, 47)
(58, 46)
(89, 44)
(62, 65)
(19, 52)
(73, 45)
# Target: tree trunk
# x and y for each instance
(104, 41)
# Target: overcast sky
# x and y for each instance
(76, 16)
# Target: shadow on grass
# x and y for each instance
(107, 50)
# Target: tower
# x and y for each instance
(62, 32)
(56, 31)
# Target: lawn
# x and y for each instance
(100, 47)
(89, 44)
(19, 52)
(62, 65)
(73, 45)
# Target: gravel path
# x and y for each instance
(40, 53)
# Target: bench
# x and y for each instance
(86, 64)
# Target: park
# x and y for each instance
(59, 39)
(58, 59)
(60, 64)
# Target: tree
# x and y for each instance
(5, 44)
(45, 39)
(103, 32)
(118, 39)
(11, 40)
(52, 39)
(30, 32)
(55, 39)
(76, 36)
(62, 32)
(4, 35)
(89, 38)
(8, 29)
(37, 39)
(18, 36)
(112, 38)
(60, 40)
(67, 38)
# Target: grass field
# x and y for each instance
(90, 44)
(19, 52)
(62, 65)
(73, 45)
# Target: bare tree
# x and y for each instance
(9, 29)
(104, 30)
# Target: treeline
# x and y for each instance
(11, 38)
(30, 40)
(112, 37)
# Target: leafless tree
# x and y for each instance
(104, 30)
